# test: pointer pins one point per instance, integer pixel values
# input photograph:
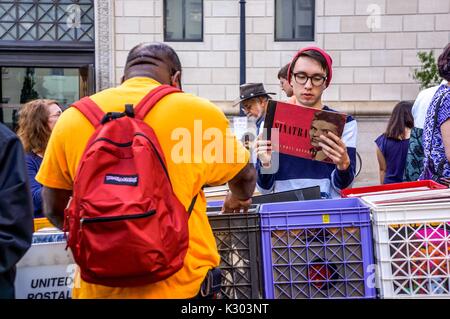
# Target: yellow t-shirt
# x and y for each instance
(185, 125)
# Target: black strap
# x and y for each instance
(191, 206)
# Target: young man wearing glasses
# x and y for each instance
(310, 73)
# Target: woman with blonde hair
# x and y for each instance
(36, 121)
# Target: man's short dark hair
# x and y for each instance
(283, 73)
(142, 52)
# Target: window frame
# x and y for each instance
(76, 44)
(294, 26)
(166, 39)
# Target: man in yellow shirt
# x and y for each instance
(181, 122)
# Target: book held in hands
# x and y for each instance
(299, 128)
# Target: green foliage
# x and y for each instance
(428, 74)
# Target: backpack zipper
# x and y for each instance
(116, 218)
(128, 144)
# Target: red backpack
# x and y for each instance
(126, 226)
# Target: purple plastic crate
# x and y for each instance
(317, 249)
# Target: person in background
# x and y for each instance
(436, 132)
(254, 100)
(414, 159)
(286, 87)
(16, 210)
(36, 121)
(421, 104)
(392, 145)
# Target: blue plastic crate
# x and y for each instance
(317, 249)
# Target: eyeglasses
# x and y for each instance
(316, 80)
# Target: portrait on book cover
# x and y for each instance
(322, 123)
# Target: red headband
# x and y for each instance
(323, 53)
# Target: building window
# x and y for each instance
(183, 20)
(294, 20)
(61, 21)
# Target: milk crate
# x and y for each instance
(238, 240)
(412, 249)
(317, 249)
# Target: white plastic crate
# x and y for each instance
(412, 249)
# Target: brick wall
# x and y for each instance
(370, 64)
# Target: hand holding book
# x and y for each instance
(335, 149)
(307, 132)
(264, 151)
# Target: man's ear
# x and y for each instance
(175, 80)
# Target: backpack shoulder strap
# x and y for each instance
(191, 206)
(150, 100)
(90, 110)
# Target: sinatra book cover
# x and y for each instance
(300, 127)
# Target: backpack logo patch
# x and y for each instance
(127, 180)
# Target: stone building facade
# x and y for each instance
(374, 45)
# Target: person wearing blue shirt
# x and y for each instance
(36, 121)
(392, 145)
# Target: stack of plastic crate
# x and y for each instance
(412, 241)
(238, 240)
(317, 249)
